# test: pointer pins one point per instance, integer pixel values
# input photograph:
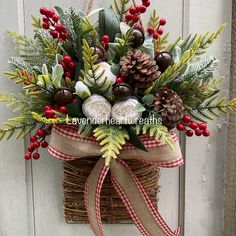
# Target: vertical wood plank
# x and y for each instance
(230, 191)
(13, 197)
(206, 157)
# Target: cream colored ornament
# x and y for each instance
(125, 112)
(97, 109)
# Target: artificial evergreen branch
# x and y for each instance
(36, 22)
(112, 138)
(85, 130)
(121, 8)
(212, 108)
(154, 20)
(20, 126)
(19, 63)
(97, 82)
(39, 118)
(160, 43)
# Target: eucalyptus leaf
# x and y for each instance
(109, 24)
(124, 28)
(148, 48)
(140, 108)
(148, 99)
(115, 69)
(94, 12)
(57, 73)
(176, 53)
(59, 58)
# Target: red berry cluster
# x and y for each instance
(191, 127)
(159, 31)
(49, 111)
(69, 66)
(36, 141)
(105, 42)
(50, 21)
(121, 78)
(134, 12)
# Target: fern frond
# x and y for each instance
(112, 138)
(51, 50)
(212, 108)
(158, 131)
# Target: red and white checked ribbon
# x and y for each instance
(67, 145)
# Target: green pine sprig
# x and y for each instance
(212, 108)
(112, 138)
(121, 8)
(97, 82)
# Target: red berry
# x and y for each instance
(55, 116)
(151, 30)
(48, 113)
(54, 34)
(45, 25)
(156, 35)
(128, 17)
(60, 28)
(45, 19)
(47, 108)
(181, 127)
(198, 132)
(71, 65)
(157, 52)
(44, 144)
(162, 21)
(41, 133)
(67, 60)
(56, 107)
(206, 133)
(135, 18)
(50, 13)
(30, 149)
(133, 10)
(138, 10)
(186, 119)
(194, 125)
(202, 126)
(43, 10)
(27, 156)
(160, 31)
(142, 9)
(63, 36)
(63, 64)
(33, 139)
(63, 110)
(123, 75)
(106, 39)
(68, 75)
(147, 3)
(138, 26)
(36, 144)
(189, 133)
(55, 18)
(36, 156)
(119, 80)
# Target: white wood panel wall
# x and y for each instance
(31, 193)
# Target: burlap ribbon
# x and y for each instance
(67, 145)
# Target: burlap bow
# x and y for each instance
(67, 145)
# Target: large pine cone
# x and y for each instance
(142, 71)
(170, 106)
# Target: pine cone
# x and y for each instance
(170, 106)
(142, 71)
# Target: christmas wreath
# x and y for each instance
(112, 88)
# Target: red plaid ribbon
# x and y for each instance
(65, 145)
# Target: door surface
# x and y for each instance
(31, 192)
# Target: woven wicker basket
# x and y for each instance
(112, 208)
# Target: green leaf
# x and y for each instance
(148, 47)
(108, 23)
(57, 76)
(134, 139)
(148, 99)
(140, 108)
(45, 70)
(75, 109)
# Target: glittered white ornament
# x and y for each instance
(97, 109)
(125, 112)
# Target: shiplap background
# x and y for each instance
(31, 193)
